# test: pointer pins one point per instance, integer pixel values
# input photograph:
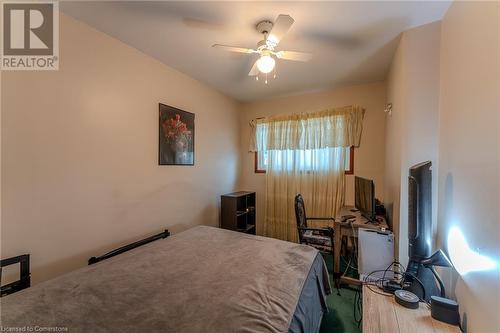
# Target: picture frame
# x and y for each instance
(176, 129)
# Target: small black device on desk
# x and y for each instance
(345, 218)
(445, 309)
(406, 298)
(391, 286)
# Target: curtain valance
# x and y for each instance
(337, 127)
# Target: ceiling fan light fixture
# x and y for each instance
(266, 64)
(272, 41)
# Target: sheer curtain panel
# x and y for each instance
(305, 154)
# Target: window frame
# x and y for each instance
(349, 171)
(256, 164)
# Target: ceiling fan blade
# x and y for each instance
(292, 55)
(280, 28)
(254, 71)
(234, 48)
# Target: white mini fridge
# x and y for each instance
(376, 252)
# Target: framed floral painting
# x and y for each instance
(176, 139)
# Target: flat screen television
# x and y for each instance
(420, 211)
(364, 193)
(420, 230)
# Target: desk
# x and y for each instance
(382, 314)
(345, 229)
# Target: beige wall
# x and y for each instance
(412, 129)
(368, 158)
(80, 170)
(444, 86)
(469, 150)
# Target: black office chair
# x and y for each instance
(24, 272)
(319, 238)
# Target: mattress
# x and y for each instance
(204, 279)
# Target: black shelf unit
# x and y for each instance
(238, 211)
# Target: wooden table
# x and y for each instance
(346, 229)
(381, 314)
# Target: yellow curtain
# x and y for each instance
(336, 127)
(305, 154)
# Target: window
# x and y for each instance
(261, 160)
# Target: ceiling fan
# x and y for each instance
(266, 48)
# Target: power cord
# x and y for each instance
(354, 255)
(398, 270)
(358, 304)
(421, 286)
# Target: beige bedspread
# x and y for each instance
(201, 280)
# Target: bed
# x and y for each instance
(204, 279)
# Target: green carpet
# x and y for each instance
(340, 316)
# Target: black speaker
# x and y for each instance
(445, 310)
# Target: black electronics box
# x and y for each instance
(445, 310)
(379, 208)
(391, 286)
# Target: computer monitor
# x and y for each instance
(365, 197)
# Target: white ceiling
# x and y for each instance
(351, 42)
